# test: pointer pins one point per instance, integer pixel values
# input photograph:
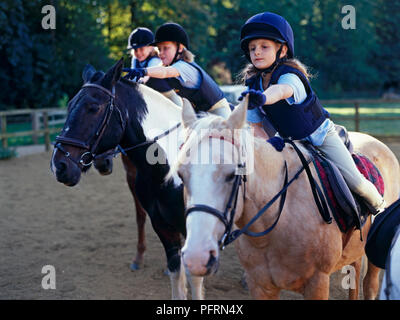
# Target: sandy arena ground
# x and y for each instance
(88, 233)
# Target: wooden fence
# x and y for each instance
(357, 117)
(42, 118)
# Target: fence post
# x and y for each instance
(357, 117)
(46, 130)
(4, 140)
(35, 126)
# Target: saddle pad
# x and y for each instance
(368, 169)
(343, 205)
(381, 234)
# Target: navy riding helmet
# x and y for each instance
(140, 37)
(267, 25)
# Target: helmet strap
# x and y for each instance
(278, 60)
(176, 54)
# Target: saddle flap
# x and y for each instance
(344, 198)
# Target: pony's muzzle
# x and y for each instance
(65, 171)
(212, 264)
(201, 264)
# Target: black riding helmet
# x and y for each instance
(171, 31)
(140, 37)
(174, 32)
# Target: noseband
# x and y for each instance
(86, 158)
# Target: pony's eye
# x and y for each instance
(230, 177)
(93, 108)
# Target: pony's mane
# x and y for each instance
(166, 102)
(132, 84)
(196, 134)
(133, 96)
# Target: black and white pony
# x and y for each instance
(108, 112)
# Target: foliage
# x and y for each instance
(41, 67)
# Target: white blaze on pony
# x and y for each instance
(302, 251)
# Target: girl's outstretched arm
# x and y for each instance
(163, 72)
(278, 92)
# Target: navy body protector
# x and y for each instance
(292, 121)
(159, 85)
(204, 97)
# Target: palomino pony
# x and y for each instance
(109, 111)
(301, 251)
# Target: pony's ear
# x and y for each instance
(237, 119)
(113, 75)
(188, 114)
(87, 73)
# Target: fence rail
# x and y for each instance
(38, 116)
(42, 118)
(357, 116)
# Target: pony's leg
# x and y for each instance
(371, 282)
(196, 286)
(170, 238)
(353, 293)
(178, 284)
(171, 241)
(317, 287)
(141, 245)
(130, 169)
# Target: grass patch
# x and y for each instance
(344, 115)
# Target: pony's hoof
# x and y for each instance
(134, 266)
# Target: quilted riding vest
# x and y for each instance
(295, 121)
(159, 85)
(204, 97)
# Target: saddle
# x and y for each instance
(348, 209)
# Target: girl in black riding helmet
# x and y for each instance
(279, 90)
(181, 72)
(145, 55)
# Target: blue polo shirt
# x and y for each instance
(299, 95)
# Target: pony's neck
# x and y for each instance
(162, 114)
(264, 182)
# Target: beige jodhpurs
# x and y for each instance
(335, 150)
(173, 96)
(221, 108)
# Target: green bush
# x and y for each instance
(7, 153)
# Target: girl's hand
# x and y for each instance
(135, 74)
(256, 98)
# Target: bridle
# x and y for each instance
(90, 146)
(229, 236)
(87, 157)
